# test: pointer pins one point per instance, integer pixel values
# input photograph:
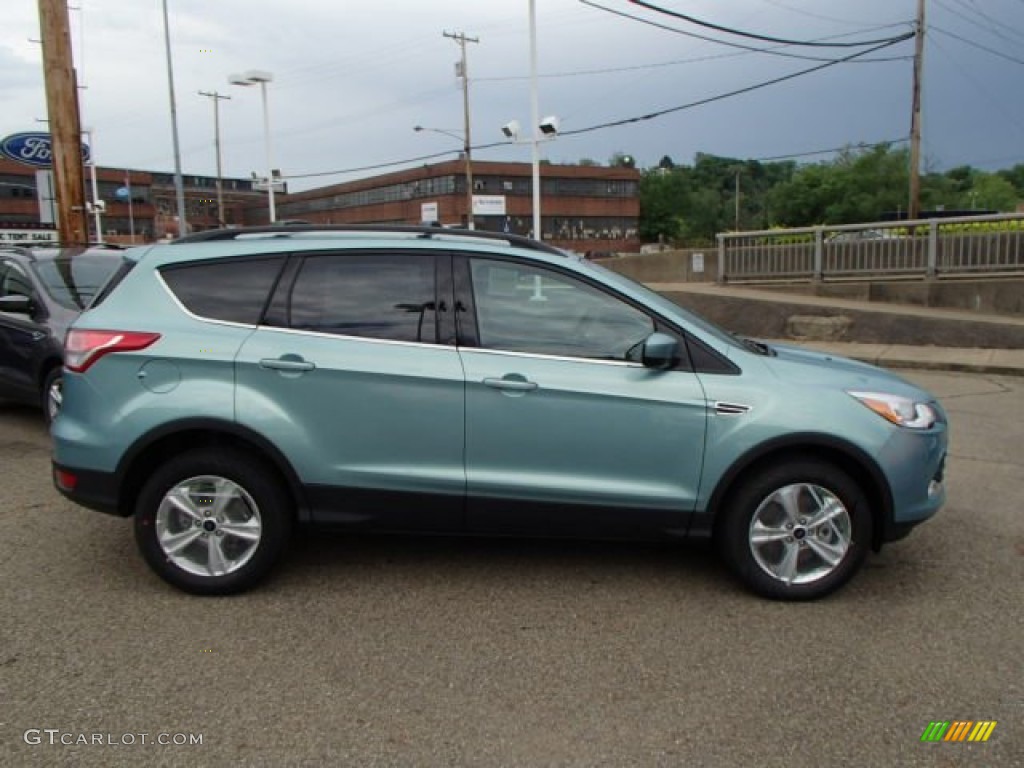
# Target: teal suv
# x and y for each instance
(223, 389)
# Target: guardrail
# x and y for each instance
(926, 247)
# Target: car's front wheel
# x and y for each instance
(212, 523)
(796, 530)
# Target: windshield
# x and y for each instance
(72, 281)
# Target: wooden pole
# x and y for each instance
(65, 130)
(914, 207)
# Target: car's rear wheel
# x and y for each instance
(211, 522)
(52, 395)
(796, 530)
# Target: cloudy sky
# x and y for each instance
(352, 79)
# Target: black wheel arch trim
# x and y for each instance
(214, 426)
(885, 528)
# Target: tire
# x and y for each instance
(213, 522)
(795, 531)
(52, 394)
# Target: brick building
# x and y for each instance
(583, 208)
(151, 213)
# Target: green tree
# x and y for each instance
(622, 160)
(859, 185)
(993, 192)
(663, 195)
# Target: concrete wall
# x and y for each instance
(996, 295)
(668, 266)
(752, 313)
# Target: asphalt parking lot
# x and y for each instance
(366, 652)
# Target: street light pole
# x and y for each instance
(252, 77)
(216, 143)
(535, 117)
(270, 154)
(179, 187)
(97, 209)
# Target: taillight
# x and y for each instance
(83, 347)
(65, 480)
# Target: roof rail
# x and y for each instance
(425, 232)
(51, 244)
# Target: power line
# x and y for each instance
(993, 24)
(754, 36)
(612, 123)
(720, 97)
(978, 24)
(974, 44)
(861, 145)
(390, 164)
(803, 12)
(980, 85)
(748, 48)
(662, 64)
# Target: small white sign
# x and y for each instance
(488, 205)
(27, 236)
(428, 213)
(697, 262)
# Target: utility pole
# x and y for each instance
(737, 224)
(913, 209)
(65, 131)
(216, 143)
(462, 71)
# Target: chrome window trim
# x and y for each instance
(348, 337)
(561, 358)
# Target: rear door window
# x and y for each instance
(233, 290)
(378, 296)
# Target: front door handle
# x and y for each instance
(511, 385)
(289, 363)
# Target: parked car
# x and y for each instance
(237, 383)
(860, 235)
(42, 290)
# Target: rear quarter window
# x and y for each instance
(235, 291)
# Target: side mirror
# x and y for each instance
(659, 351)
(16, 303)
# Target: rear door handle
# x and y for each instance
(511, 385)
(286, 364)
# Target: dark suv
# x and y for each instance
(42, 291)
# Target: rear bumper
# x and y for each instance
(91, 489)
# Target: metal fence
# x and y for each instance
(927, 247)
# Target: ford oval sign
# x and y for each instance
(35, 149)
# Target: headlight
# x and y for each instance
(901, 411)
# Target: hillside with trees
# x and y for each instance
(689, 204)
